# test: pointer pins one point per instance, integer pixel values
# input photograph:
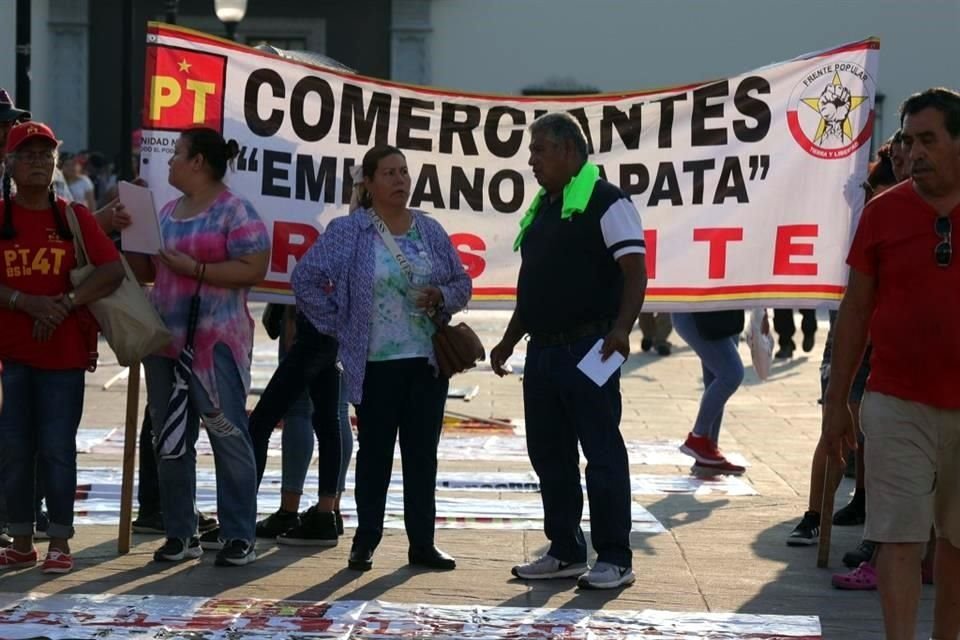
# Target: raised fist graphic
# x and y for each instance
(834, 108)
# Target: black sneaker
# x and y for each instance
(807, 533)
(808, 342)
(276, 523)
(863, 553)
(851, 515)
(211, 540)
(148, 523)
(236, 553)
(316, 529)
(339, 518)
(664, 349)
(206, 523)
(646, 344)
(177, 549)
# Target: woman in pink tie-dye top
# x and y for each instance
(213, 239)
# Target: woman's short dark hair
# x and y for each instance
(371, 160)
(217, 152)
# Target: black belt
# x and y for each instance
(556, 338)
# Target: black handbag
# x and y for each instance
(717, 325)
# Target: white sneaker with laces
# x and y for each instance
(547, 567)
(604, 575)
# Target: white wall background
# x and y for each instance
(502, 46)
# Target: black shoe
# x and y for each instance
(785, 353)
(177, 549)
(316, 529)
(361, 559)
(807, 343)
(664, 349)
(148, 523)
(236, 553)
(851, 515)
(276, 523)
(339, 522)
(211, 540)
(431, 557)
(646, 344)
(807, 533)
(863, 553)
(206, 523)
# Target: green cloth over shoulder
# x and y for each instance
(576, 195)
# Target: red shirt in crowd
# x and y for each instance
(38, 262)
(916, 343)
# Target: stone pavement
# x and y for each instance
(719, 553)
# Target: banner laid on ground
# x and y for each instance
(148, 617)
(748, 186)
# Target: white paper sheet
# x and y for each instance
(143, 235)
(598, 370)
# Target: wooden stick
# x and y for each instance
(491, 421)
(129, 453)
(826, 512)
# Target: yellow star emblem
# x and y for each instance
(184, 65)
(847, 128)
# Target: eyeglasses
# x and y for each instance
(944, 251)
(35, 157)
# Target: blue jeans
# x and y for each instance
(722, 373)
(297, 438)
(232, 450)
(562, 407)
(38, 435)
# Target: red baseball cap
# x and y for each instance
(24, 131)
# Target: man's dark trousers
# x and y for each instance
(562, 405)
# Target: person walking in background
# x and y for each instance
(784, 325)
(656, 328)
(713, 336)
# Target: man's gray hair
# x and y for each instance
(561, 127)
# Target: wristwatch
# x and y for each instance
(72, 297)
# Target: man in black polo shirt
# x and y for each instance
(582, 279)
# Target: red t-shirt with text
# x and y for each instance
(914, 332)
(38, 262)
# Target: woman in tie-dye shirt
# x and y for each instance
(213, 239)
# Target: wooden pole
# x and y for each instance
(826, 512)
(129, 453)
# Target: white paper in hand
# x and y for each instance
(143, 234)
(598, 370)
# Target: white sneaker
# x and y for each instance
(547, 567)
(604, 575)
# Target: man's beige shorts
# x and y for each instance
(912, 468)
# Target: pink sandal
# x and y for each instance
(863, 578)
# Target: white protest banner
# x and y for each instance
(748, 186)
